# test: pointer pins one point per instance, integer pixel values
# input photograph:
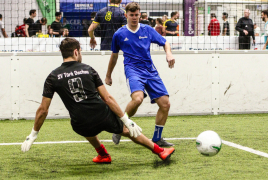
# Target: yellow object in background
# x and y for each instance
(40, 35)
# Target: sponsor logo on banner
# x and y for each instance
(83, 6)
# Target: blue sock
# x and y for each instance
(157, 133)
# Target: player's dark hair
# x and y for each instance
(132, 7)
(265, 12)
(115, 1)
(1, 16)
(57, 13)
(67, 47)
(44, 20)
(225, 14)
(93, 14)
(24, 20)
(173, 13)
(32, 11)
(213, 15)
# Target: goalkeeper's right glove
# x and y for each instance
(134, 129)
(26, 145)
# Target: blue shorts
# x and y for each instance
(155, 88)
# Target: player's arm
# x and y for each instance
(265, 45)
(26, 30)
(4, 33)
(112, 63)
(91, 29)
(40, 117)
(170, 58)
(133, 128)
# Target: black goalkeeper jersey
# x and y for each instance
(76, 85)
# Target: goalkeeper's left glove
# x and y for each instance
(26, 145)
(134, 129)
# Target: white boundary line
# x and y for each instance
(245, 148)
(126, 140)
(66, 142)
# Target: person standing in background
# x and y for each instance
(164, 18)
(56, 25)
(246, 29)
(226, 27)
(29, 24)
(39, 23)
(144, 19)
(170, 25)
(110, 19)
(264, 17)
(20, 31)
(214, 28)
(3, 33)
(159, 26)
(257, 30)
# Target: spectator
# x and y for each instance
(64, 32)
(152, 22)
(159, 26)
(64, 23)
(226, 28)
(56, 25)
(14, 34)
(20, 31)
(264, 16)
(214, 26)
(144, 19)
(29, 24)
(97, 31)
(164, 18)
(256, 30)
(39, 23)
(110, 19)
(85, 28)
(3, 33)
(246, 29)
(50, 32)
(170, 25)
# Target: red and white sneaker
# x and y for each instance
(166, 153)
(103, 159)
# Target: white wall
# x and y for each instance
(197, 84)
(13, 12)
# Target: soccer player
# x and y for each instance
(134, 40)
(29, 24)
(214, 26)
(110, 19)
(91, 107)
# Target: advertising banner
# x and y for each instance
(48, 9)
(189, 17)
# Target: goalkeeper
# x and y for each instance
(92, 109)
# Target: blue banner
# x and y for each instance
(86, 5)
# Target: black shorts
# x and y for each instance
(111, 124)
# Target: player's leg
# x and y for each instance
(103, 156)
(158, 93)
(136, 100)
(163, 153)
(136, 88)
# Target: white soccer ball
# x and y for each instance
(208, 143)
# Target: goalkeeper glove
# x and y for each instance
(26, 145)
(134, 129)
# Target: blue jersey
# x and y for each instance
(136, 48)
(110, 18)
